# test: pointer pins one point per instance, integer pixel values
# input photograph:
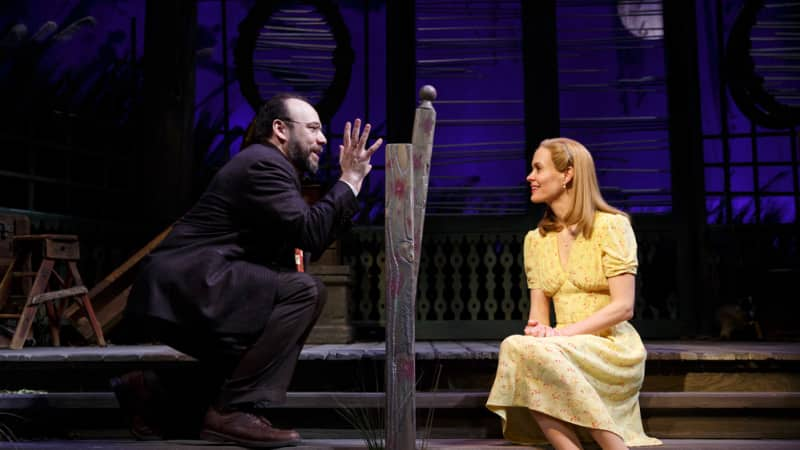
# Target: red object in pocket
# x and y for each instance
(298, 260)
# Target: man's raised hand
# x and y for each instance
(354, 157)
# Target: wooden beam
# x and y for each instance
(110, 295)
(401, 285)
(407, 170)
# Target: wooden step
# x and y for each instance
(23, 274)
(438, 400)
(359, 444)
(739, 415)
(657, 351)
(464, 366)
(692, 390)
(62, 293)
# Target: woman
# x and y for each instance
(585, 373)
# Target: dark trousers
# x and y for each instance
(239, 371)
(265, 369)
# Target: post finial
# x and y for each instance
(427, 93)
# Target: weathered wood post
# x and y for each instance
(407, 169)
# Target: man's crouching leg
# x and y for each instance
(265, 369)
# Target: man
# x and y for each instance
(223, 287)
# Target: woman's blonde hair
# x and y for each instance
(585, 192)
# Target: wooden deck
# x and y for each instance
(696, 394)
(427, 350)
(355, 444)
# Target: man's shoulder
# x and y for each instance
(261, 155)
(261, 152)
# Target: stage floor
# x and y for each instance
(355, 444)
(425, 350)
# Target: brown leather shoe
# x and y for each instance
(246, 429)
(138, 404)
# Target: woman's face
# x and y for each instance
(546, 182)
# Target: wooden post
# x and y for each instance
(168, 154)
(407, 169)
(400, 298)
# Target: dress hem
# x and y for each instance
(495, 407)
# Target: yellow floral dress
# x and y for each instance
(590, 380)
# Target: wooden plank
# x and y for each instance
(729, 444)
(722, 351)
(111, 292)
(29, 310)
(375, 350)
(42, 237)
(422, 148)
(317, 352)
(449, 350)
(751, 380)
(319, 439)
(58, 400)
(650, 401)
(345, 353)
(782, 375)
(61, 293)
(719, 400)
(109, 316)
(64, 247)
(725, 426)
(482, 350)
(424, 350)
(477, 399)
(401, 285)
(113, 353)
(407, 170)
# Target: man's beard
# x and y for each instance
(301, 157)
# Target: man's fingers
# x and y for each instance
(375, 146)
(362, 141)
(356, 130)
(346, 135)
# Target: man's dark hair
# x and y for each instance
(274, 108)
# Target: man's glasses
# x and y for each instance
(315, 127)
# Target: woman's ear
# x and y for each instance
(569, 174)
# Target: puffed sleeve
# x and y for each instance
(618, 246)
(529, 250)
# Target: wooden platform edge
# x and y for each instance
(424, 400)
(360, 444)
(684, 351)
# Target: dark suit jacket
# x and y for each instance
(215, 271)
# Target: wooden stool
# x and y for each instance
(47, 250)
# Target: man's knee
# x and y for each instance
(308, 289)
(320, 293)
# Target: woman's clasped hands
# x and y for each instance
(535, 329)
